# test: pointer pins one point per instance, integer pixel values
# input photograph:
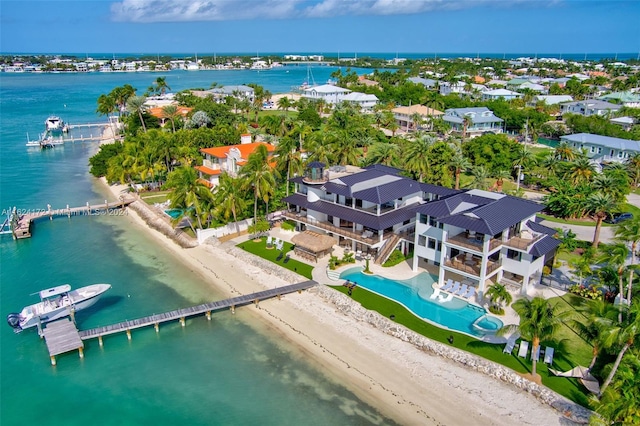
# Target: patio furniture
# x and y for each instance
(548, 355)
(524, 348)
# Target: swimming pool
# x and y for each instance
(457, 314)
(174, 213)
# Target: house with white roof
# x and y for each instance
(552, 99)
(428, 83)
(603, 149)
(589, 107)
(329, 93)
(505, 94)
(476, 237)
(220, 94)
(481, 120)
(625, 122)
(365, 101)
(528, 85)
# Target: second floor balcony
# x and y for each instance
(365, 237)
(471, 264)
(472, 241)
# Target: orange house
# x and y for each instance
(159, 114)
(229, 159)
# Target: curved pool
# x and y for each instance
(457, 314)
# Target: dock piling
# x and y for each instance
(81, 353)
(208, 315)
(128, 334)
(100, 341)
(53, 360)
(157, 327)
(182, 321)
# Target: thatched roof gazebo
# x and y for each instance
(312, 245)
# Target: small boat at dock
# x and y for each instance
(55, 303)
(55, 124)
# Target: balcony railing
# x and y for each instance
(470, 266)
(522, 243)
(472, 243)
(298, 217)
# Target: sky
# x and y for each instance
(319, 26)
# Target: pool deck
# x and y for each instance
(401, 271)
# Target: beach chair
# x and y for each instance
(455, 288)
(463, 290)
(448, 285)
(535, 356)
(269, 240)
(470, 293)
(524, 348)
(548, 355)
(511, 342)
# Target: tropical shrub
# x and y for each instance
(395, 258)
(590, 292)
(288, 225)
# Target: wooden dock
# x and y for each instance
(64, 337)
(21, 222)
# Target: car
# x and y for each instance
(622, 217)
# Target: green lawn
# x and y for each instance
(259, 248)
(155, 197)
(570, 351)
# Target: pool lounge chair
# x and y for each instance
(455, 288)
(448, 285)
(462, 290)
(548, 355)
(536, 355)
(269, 240)
(511, 342)
(470, 293)
(524, 348)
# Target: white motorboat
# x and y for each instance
(56, 302)
(55, 124)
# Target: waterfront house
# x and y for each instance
(481, 120)
(428, 83)
(481, 238)
(228, 159)
(475, 236)
(366, 102)
(628, 99)
(240, 92)
(159, 113)
(495, 94)
(603, 149)
(589, 107)
(405, 116)
(329, 93)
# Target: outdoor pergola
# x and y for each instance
(312, 245)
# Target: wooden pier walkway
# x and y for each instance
(62, 336)
(21, 222)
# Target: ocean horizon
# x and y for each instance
(576, 56)
(230, 370)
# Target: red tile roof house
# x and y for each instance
(228, 159)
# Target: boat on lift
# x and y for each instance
(55, 303)
(55, 124)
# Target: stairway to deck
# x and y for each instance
(387, 248)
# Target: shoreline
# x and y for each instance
(404, 382)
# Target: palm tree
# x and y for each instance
(383, 153)
(288, 158)
(582, 265)
(417, 120)
(618, 404)
(615, 256)
(284, 103)
(229, 198)
(415, 156)
(259, 175)
(161, 85)
(565, 152)
(581, 171)
(480, 176)
(136, 104)
(498, 294)
(500, 176)
(539, 321)
(599, 205)
(467, 122)
(170, 112)
(189, 193)
(522, 161)
(589, 326)
(629, 232)
(107, 106)
(623, 334)
(460, 164)
(633, 168)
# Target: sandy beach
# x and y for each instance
(410, 385)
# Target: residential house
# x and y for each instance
(405, 115)
(481, 238)
(495, 94)
(159, 113)
(240, 92)
(603, 149)
(228, 159)
(535, 87)
(447, 88)
(627, 98)
(364, 101)
(552, 99)
(476, 236)
(482, 120)
(329, 93)
(428, 83)
(589, 107)
(625, 122)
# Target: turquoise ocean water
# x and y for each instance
(225, 372)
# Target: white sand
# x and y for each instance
(406, 384)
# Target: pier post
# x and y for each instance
(128, 334)
(100, 341)
(208, 315)
(157, 327)
(182, 322)
(88, 208)
(49, 211)
(106, 203)
(81, 352)
(255, 302)
(279, 297)
(68, 211)
(233, 309)
(53, 360)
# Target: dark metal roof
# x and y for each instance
(481, 214)
(537, 227)
(383, 187)
(315, 165)
(544, 246)
(387, 169)
(369, 220)
(438, 190)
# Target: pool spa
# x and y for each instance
(456, 314)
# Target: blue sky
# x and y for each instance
(320, 26)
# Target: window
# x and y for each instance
(433, 221)
(431, 243)
(513, 254)
(599, 150)
(422, 241)
(592, 149)
(424, 218)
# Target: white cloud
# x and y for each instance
(226, 10)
